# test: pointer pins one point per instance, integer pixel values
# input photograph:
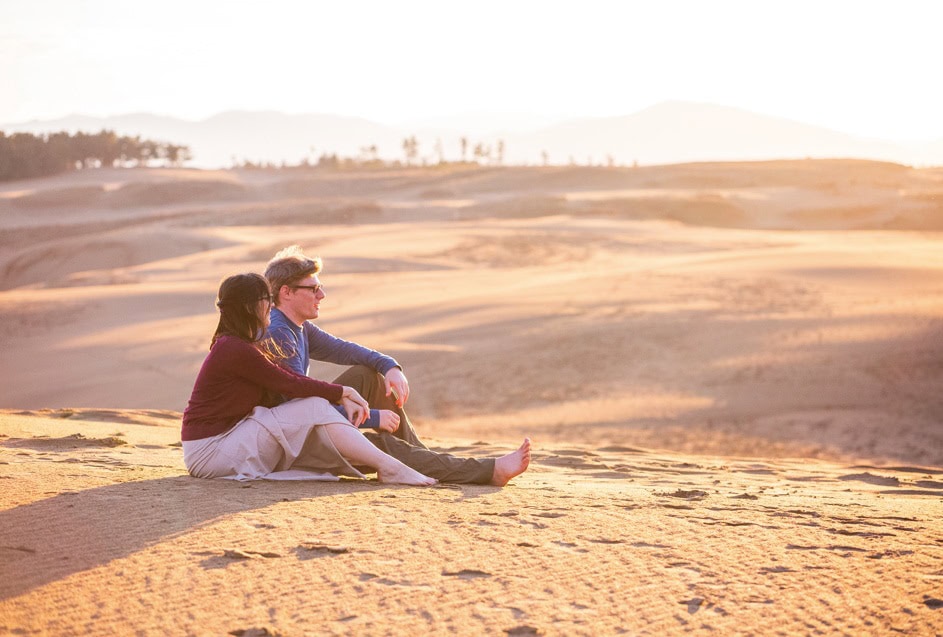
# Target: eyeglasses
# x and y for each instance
(313, 288)
(267, 298)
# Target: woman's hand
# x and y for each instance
(356, 407)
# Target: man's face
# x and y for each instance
(303, 299)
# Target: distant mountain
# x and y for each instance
(673, 132)
(669, 132)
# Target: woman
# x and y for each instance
(230, 428)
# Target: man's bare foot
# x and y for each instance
(513, 464)
(404, 475)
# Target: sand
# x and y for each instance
(731, 374)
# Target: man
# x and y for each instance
(294, 339)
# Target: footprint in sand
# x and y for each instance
(888, 553)
(523, 630)
(385, 581)
(310, 550)
(223, 558)
(255, 632)
(75, 441)
(694, 494)
(467, 573)
(649, 545)
(571, 546)
(240, 554)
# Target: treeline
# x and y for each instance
(369, 157)
(24, 155)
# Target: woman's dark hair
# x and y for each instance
(238, 303)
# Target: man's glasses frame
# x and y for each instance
(313, 288)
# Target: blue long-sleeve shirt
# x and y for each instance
(299, 344)
(296, 345)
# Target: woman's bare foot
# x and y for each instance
(513, 464)
(404, 475)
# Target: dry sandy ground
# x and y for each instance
(101, 532)
(732, 374)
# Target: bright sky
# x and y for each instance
(870, 68)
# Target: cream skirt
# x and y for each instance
(283, 443)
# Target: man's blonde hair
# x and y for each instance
(289, 266)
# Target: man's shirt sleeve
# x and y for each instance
(328, 348)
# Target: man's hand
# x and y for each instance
(356, 407)
(389, 420)
(395, 381)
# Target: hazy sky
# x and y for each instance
(866, 67)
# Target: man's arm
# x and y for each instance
(323, 346)
(330, 349)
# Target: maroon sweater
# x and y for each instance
(234, 379)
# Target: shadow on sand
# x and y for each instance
(72, 532)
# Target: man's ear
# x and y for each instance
(281, 291)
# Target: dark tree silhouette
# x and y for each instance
(411, 149)
(24, 155)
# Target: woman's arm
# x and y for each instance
(246, 361)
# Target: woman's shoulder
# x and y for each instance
(229, 345)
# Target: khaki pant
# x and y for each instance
(404, 444)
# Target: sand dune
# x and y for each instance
(731, 373)
(521, 302)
